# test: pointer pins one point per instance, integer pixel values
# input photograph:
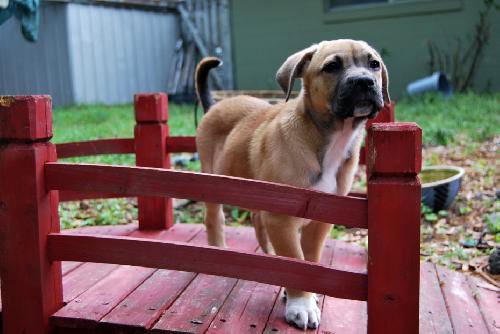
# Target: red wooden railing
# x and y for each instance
(173, 144)
(31, 245)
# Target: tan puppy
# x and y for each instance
(311, 141)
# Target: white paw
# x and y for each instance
(303, 312)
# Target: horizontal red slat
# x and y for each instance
(95, 147)
(250, 194)
(161, 254)
(68, 195)
(181, 144)
(119, 146)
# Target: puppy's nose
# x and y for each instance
(364, 82)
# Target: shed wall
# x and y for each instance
(89, 54)
(41, 67)
(116, 52)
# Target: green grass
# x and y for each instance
(82, 123)
(444, 121)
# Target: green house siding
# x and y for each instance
(265, 32)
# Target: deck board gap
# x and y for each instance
(445, 298)
(160, 316)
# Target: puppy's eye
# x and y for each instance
(374, 64)
(332, 66)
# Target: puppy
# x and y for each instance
(311, 141)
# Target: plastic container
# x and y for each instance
(437, 82)
(440, 185)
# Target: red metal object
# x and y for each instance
(31, 282)
(150, 137)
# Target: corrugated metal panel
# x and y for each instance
(41, 67)
(116, 52)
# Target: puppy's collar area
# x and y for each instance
(323, 125)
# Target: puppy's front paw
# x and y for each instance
(302, 312)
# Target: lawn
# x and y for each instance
(463, 130)
(443, 120)
(446, 121)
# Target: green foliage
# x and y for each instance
(444, 120)
(80, 123)
(186, 216)
(238, 215)
(428, 214)
(337, 232)
(443, 213)
(493, 223)
(463, 211)
(97, 212)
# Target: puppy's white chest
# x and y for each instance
(336, 152)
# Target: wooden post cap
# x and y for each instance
(151, 107)
(26, 118)
(395, 148)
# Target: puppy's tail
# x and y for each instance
(201, 81)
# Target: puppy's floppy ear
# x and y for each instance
(293, 68)
(385, 85)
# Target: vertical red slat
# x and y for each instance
(31, 284)
(151, 132)
(394, 160)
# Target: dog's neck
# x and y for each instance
(335, 135)
(324, 122)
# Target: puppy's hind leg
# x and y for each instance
(261, 233)
(214, 223)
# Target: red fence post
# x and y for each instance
(31, 284)
(385, 115)
(394, 195)
(151, 132)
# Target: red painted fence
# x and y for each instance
(31, 245)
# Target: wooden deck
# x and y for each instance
(106, 298)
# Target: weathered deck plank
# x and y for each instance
(488, 299)
(339, 315)
(129, 300)
(84, 277)
(246, 309)
(196, 308)
(144, 306)
(462, 308)
(276, 322)
(92, 305)
(434, 317)
(86, 310)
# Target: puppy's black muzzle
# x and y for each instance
(357, 91)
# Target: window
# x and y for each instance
(337, 11)
(345, 3)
